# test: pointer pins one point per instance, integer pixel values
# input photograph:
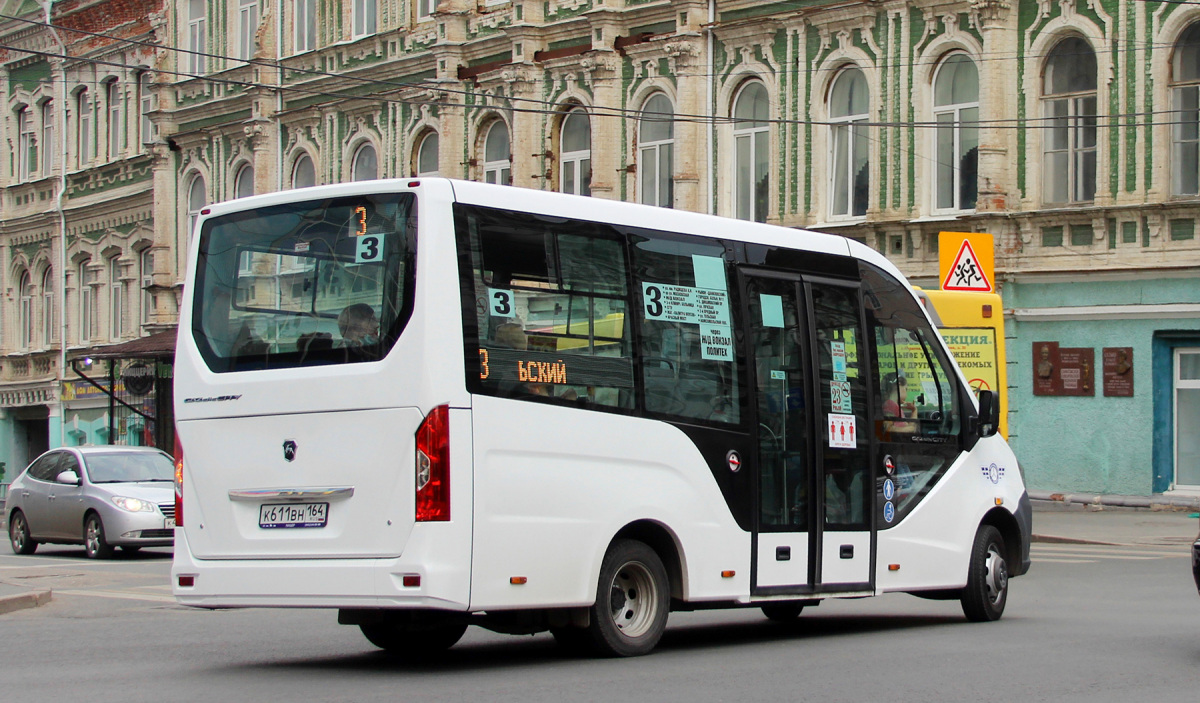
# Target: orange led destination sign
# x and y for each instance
(527, 366)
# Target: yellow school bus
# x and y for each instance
(973, 326)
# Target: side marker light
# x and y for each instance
(518, 580)
(728, 574)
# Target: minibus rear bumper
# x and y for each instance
(315, 582)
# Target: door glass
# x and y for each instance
(1187, 417)
(782, 418)
(842, 388)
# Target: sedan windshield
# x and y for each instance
(119, 467)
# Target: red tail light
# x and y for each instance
(433, 466)
(178, 481)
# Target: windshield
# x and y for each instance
(316, 282)
(127, 468)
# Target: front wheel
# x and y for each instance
(986, 592)
(633, 599)
(18, 534)
(94, 542)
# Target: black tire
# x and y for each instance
(94, 542)
(572, 640)
(986, 593)
(633, 600)
(396, 638)
(18, 534)
(782, 612)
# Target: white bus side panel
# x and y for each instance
(933, 543)
(554, 485)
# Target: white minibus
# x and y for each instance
(430, 404)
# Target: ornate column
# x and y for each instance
(997, 88)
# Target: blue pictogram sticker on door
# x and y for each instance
(992, 473)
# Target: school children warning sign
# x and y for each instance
(966, 261)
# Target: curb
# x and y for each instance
(21, 601)
(1052, 539)
(1157, 502)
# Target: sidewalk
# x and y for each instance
(19, 597)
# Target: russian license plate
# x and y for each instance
(293, 515)
(169, 523)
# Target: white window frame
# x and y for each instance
(426, 8)
(26, 310)
(358, 162)
(1074, 117)
(661, 153)
(429, 141)
(197, 39)
(579, 161)
(86, 311)
(145, 107)
(296, 170)
(48, 145)
(1185, 105)
(196, 200)
(304, 26)
(83, 123)
(854, 129)
(25, 143)
(146, 274)
(955, 114)
(748, 138)
(48, 308)
(243, 182)
(248, 18)
(497, 170)
(116, 126)
(116, 298)
(365, 18)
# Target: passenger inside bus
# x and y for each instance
(358, 325)
(896, 405)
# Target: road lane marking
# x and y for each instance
(120, 595)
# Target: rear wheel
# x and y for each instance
(782, 612)
(633, 599)
(409, 640)
(986, 593)
(94, 542)
(18, 534)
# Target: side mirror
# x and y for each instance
(69, 478)
(989, 413)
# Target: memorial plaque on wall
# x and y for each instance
(1045, 368)
(1077, 371)
(1118, 371)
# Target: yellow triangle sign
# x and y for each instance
(966, 273)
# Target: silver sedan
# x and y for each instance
(101, 497)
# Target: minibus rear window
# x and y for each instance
(310, 283)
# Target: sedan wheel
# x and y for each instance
(93, 539)
(18, 534)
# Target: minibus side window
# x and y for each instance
(549, 297)
(689, 359)
(917, 405)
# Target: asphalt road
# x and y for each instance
(1090, 623)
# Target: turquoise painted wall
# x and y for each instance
(8, 440)
(1091, 444)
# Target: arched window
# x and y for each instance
(304, 174)
(656, 152)
(956, 111)
(1185, 89)
(752, 154)
(1069, 106)
(197, 198)
(87, 315)
(427, 156)
(243, 183)
(849, 149)
(26, 151)
(365, 166)
(48, 307)
(497, 157)
(576, 159)
(26, 311)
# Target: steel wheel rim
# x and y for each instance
(633, 599)
(17, 533)
(93, 537)
(997, 575)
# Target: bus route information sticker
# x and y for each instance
(707, 308)
(842, 433)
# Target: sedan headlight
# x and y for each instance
(134, 505)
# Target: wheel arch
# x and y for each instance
(1007, 525)
(664, 543)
